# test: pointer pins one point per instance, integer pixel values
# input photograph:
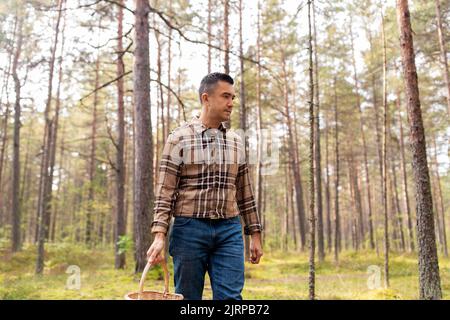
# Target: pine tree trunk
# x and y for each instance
(243, 111)
(443, 51)
(3, 218)
(119, 261)
(384, 165)
(352, 210)
(429, 278)
(209, 34)
(143, 179)
(259, 124)
(327, 188)
(337, 232)
(226, 44)
(169, 71)
(359, 222)
(53, 142)
(45, 183)
(317, 151)
(16, 205)
(312, 213)
(58, 190)
(161, 92)
(92, 157)
(378, 135)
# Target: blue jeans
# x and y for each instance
(198, 245)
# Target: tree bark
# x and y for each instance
(384, 165)
(44, 203)
(119, 261)
(53, 141)
(4, 140)
(226, 44)
(378, 134)
(317, 151)
(243, 111)
(209, 34)
(327, 188)
(143, 180)
(429, 278)
(169, 71)
(16, 205)
(337, 232)
(312, 173)
(259, 124)
(92, 158)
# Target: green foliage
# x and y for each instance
(125, 244)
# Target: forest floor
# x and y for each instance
(278, 276)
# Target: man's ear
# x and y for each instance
(204, 98)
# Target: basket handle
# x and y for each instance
(144, 274)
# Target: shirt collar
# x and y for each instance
(199, 127)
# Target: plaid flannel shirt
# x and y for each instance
(203, 174)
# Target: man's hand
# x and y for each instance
(155, 253)
(255, 248)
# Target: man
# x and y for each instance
(204, 181)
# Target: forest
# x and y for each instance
(346, 105)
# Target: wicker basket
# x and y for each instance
(154, 295)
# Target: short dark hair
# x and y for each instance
(210, 81)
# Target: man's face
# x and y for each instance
(220, 101)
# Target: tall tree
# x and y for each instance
(443, 51)
(317, 155)
(120, 146)
(209, 34)
(5, 116)
(259, 180)
(243, 109)
(143, 180)
(226, 31)
(169, 74)
(384, 153)
(429, 278)
(16, 207)
(55, 127)
(312, 218)
(327, 188)
(93, 147)
(337, 223)
(45, 189)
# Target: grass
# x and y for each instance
(278, 276)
